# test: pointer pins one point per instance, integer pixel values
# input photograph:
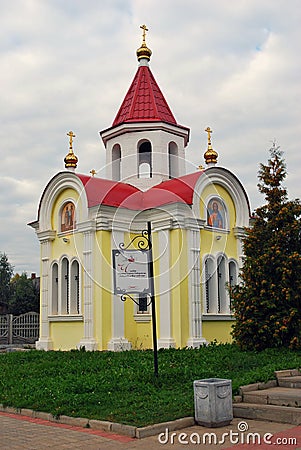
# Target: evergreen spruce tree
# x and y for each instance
(267, 302)
(6, 271)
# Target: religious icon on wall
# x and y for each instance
(67, 217)
(215, 214)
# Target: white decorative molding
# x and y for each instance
(88, 340)
(196, 342)
(66, 318)
(47, 235)
(60, 182)
(45, 342)
(119, 344)
(137, 127)
(166, 343)
(166, 339)
(118, 341)
(89, 344)
(195, 315)
(142, 317)
(217, 317)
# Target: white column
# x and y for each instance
(166, 340)
(88, 340)
(117, 341)
(45, 341)
(194, 279)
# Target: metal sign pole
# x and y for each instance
(154, 323)
(131, 276)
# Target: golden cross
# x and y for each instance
(209, 133)
(71, 136)
(93, 172)
(144, 28)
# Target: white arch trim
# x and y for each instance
(226, 179)
(60, 182)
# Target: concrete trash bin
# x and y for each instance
(213, 402)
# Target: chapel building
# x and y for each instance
(197, 222)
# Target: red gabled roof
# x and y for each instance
(144, 101)
(106, 192)
(114, 193)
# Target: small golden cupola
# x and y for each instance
(143, 52)
(70, 159)
(210, 155)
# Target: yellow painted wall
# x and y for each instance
(66, 194)
(227, 242)
(75, 246)
(179, 283)
(218, 330)
(139, 334)
(66, 335)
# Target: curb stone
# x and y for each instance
(158, 428)
(119, 428)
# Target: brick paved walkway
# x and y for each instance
(25, 433)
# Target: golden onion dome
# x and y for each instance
(210, 155)
(70, 159)
(144, 51)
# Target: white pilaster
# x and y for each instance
(166, 340)
(88, 340)
(194, 279)
(45, 341)
(117, 341)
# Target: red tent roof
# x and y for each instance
(114, 193)
(144, 101)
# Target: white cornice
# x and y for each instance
(135, 127)
(46, 235)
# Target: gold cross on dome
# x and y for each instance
(144, 28)
(71, 136)
(209, 131)
(93, 172)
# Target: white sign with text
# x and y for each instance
(131, 271)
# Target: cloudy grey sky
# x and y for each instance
(66, 65)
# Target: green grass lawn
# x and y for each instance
(121, 386)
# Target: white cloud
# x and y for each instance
(233, 65)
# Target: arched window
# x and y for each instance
(216, 295)
(68, 217)
(55, 289)
(232, 273)
(145, 169)
(65, 286)
(116, 163)
(173, 163)
(221, 285)
(74, 289)
(210, 288)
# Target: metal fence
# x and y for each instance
(23, 329)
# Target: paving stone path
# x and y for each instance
(25, 433)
